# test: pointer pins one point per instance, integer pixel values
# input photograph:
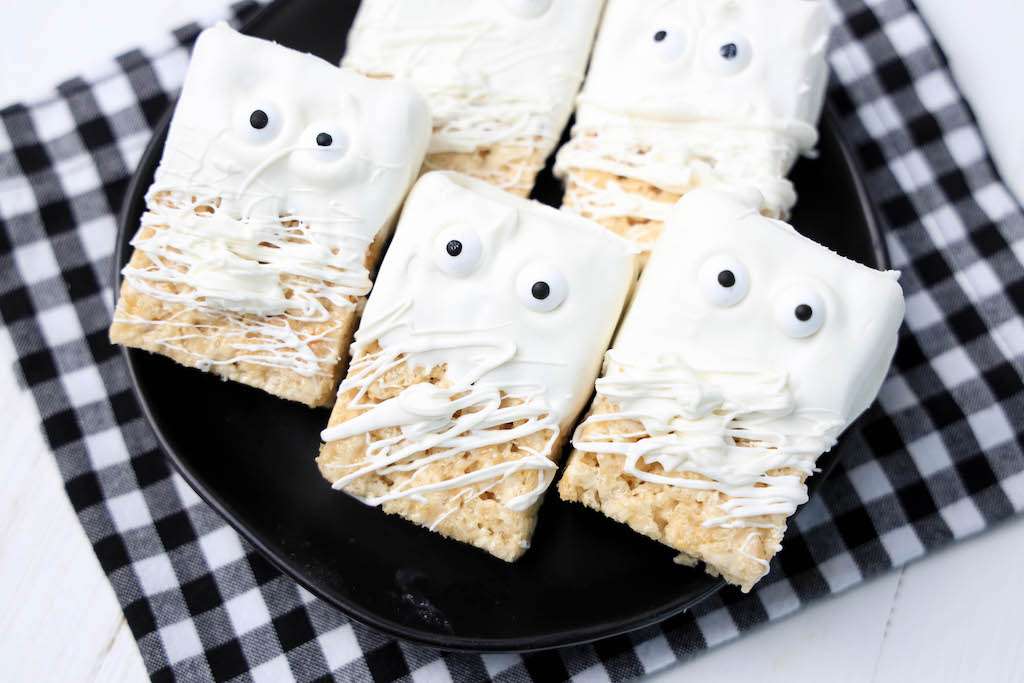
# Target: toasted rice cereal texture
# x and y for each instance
(644, 231)
(580, 183)
(473, 514)
(511, 167)
(669, 514)
(208, 340)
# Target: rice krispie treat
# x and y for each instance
(278, 185)
(746, 351)
(684, 94)
(500, 76)
(478, 348)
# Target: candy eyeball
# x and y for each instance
(541, 287)
(728, 52)
(528, 9)
(260, 122)
(668, 43)
(800, 312)
(457, 251)
(326, 141)
(723, 280)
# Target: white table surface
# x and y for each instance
(950, 617)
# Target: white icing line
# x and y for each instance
(662, 105)
(517, 366)
(676, 158)
(258, 273)
(253, 220)
(468, 113)
(478, 66)
(691, 422)
(427, 414)
(280, 345)
(753, 537)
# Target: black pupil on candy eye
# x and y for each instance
(803, 312)
(726, 278)
(259, 119)
(540, 290)
(660, 36)
(729, 51)
(454, 248)
(324, 139)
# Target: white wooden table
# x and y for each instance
(951, 617)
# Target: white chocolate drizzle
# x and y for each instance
(676, 157)
(228, 256)
(271, 343)
(489, 77)
(683, 94)
(734, 429)
(257, 224)
(468, 115)
(441, 423)
(515, 368)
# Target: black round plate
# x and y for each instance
(250, 456)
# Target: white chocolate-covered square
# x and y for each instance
(279, 172)
(746, 351)
(494, 72)
(687, 93)
(513, 299)
(343, 191)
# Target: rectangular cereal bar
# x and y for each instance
(278, 185)
(746, 351)
(684, 94)
(500, 77)
(477, 350)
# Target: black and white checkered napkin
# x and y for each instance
(937, 459)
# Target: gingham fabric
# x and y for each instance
(937, 459)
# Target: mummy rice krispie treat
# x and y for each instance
(500, 76)
(746, 351)
(477, 350)
(694, 93)
(279, 182)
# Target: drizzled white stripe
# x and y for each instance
(443, 423)
(693, 422)
(255, 268)
(678, 156)
(468, 112)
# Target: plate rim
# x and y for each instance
(127, 221)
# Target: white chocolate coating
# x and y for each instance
(282, 205)
(493, 71)
(701, 364)
(661, 103)
(477, 319)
